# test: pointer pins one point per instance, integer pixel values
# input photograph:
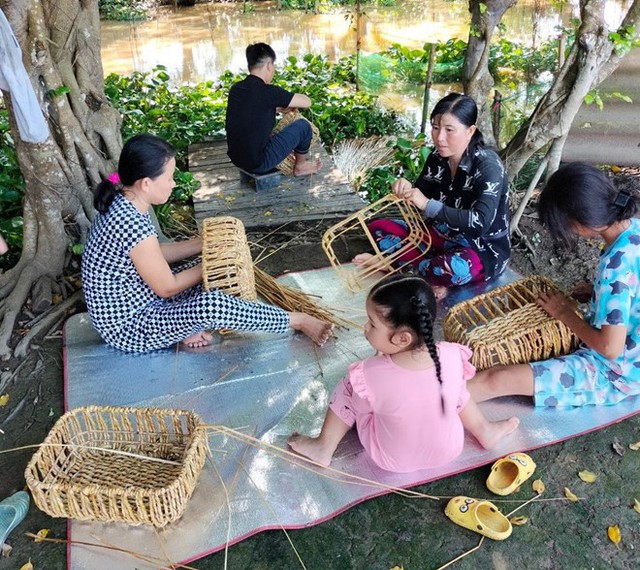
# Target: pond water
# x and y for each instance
(200, 42)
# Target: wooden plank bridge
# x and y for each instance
(325, 195)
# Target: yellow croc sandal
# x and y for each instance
(508, 473)
(480, 516)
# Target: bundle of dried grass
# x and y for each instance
(356, 157)
(288, 164)
(292, 300)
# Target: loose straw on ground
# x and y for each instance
(292, 300)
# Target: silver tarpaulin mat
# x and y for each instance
(267, 386)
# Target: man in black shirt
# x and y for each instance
(251, 113)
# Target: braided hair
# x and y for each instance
(418, 314)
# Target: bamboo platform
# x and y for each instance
(325, 195)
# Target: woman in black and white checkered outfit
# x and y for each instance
(135, 301)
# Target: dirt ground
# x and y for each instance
(388, 531)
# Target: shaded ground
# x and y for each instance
(388, 531)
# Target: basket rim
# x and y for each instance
(196, 438)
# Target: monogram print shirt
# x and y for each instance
(473, 206)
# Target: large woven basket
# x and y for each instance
(226, 258)
(415, 245)
(506, 326)
(288, 164)
(131, 465)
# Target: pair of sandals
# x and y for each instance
(483, 517)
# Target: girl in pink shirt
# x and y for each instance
(409, 403)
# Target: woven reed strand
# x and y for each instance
(69, 478)
(288, 164)
(390, 207)
(506, 326)
(289, 299)
(226, 258)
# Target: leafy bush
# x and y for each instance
(11, 193)
(125, 10)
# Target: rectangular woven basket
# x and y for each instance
(506, 326)
(131, 465)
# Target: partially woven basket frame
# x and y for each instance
(226, 258)
(288, 164)
(506, 326)
(389, 207)
(96, 464)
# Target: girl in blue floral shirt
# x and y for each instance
(580, 200)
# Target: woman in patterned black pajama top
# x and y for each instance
(135, 301)
(463, 192)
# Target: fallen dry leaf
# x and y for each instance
(519, 521)
(569, 495)
(636, 505)
(6, 550)
(613, 532)
(618, 448)
(27, 566)
(587, 476)
(42, 533)
(538, 486)
(634, 446)
(4, 399)
(398, 568)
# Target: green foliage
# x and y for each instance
(625, 39)
(327, 5)
(11, 193)
(507, 60)
(408, 160)
(124, 10)
(596, 97)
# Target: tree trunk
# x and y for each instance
(60, 44)
(591, 59)
(476, 79)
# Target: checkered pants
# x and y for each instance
(167, 321)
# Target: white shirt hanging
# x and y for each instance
(32, 126)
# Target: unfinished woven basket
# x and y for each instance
(226, 258)
(506, 326)
(416, 245)
(131, 465)
(288, 164)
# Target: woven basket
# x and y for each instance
(101, 464)
(389, 207)
(288, 164)
(226, 258)
(506, 326)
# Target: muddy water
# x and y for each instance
(200, 42)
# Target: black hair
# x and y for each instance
(408, 301)
(581, 193)
(142, 156)
(463, 108)
(259, 54)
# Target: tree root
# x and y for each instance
(46, 322)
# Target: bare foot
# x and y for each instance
(363, 259)
(497, 430)
(318, 331)
(304, 167)
(439, 292)
(311, 447)
(198, 340)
